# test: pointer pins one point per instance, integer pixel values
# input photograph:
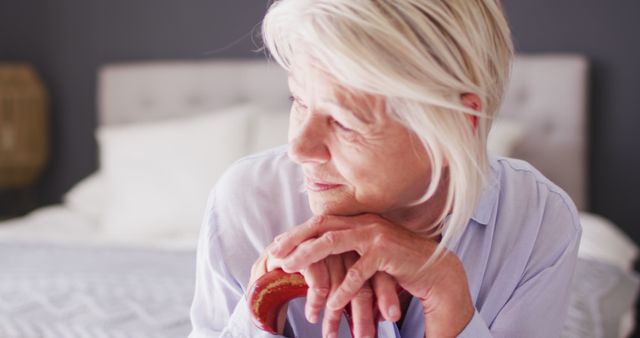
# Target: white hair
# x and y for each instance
(420, 56)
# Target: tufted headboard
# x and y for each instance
(547, 93)
(147, 91)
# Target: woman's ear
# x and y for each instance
(472, 101)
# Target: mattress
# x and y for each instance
(62, 278)
(54, 290)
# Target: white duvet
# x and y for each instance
(61, 225)
(601, 239)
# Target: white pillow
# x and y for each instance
(603, 241)
(504, 137)
(159, 173)
(269, 129)
(87, 197)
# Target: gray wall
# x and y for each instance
(607, 32)
(68, 40)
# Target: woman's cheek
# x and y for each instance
(358, 172)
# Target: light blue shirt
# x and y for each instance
(519, 251)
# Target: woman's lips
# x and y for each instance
(317, 186)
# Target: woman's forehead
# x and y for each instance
(310, 78)
(317, 88)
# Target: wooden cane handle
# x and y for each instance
(275, 289)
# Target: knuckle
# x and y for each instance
(383, 236)
(310, 276)
(315, 277)
(380, 228)
(330, 238)
(354, 276)
(314, 306)
(310, 226)
(379, 240)
(281, 237)
(365, 294)
(303, 251)
(317, 221)
(321, 292)
(332, 320)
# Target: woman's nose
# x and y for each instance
(307, 143)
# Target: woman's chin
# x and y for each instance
(330, 206)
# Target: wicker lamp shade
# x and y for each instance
(23, 126)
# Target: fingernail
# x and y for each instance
(313, 318)
(393, 312)
(332, 335)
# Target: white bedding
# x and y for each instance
(58, 224)
(601, 297)
(65, 291)
(601, 239)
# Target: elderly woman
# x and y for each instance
(386, 185)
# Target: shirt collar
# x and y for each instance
(489, 197)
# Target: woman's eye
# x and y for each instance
(296, 103)
(342, 127)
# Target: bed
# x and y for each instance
(116, 258)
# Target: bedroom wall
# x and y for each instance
(68, 40)
(606, 32)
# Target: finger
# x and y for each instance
(362, 319)
(385, 289)
(317, 277)
(330, 243)
(348, 258)
(363, 269)
(272, 263)
(258, 269)
(331, 322)
(312, 228)
(362, 312)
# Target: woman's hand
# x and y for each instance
(323, 277)
(383, 247)
(261, 266)
(380, 293)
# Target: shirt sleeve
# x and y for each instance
(219, 308)
(538, 306)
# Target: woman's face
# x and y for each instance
(356, 158)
